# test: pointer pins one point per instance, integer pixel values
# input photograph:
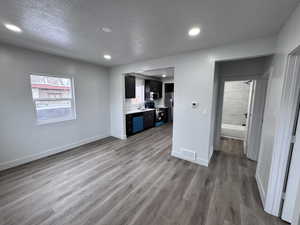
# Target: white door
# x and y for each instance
(249, 115)
(293, 172)
(296, 220)
(256, 118)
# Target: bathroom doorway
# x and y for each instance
(240, 111)
(236, 108)
(240, 88)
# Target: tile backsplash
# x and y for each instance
(131, 104)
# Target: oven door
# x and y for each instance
(159, 115)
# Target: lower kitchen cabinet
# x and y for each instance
(149, 119)
(138, 122)
(129, 124)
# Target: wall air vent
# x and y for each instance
(188, 154)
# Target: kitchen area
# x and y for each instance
(149, 99)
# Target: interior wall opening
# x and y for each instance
(149, 99)
(236, 107)
(240, 89)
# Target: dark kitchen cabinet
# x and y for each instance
(134, 123)
(147, 89)
(154, 86)
(149, 119)
(129, 124)
(169, 87)
(129, 86)
(137, 122)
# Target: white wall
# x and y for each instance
(21, 139)
(288, 40)
(235, 102)
(194, 78)
(244, 67)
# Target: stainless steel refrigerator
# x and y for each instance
(169, 100)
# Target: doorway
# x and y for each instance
(248, 79)
(241, 111)
(236, 104)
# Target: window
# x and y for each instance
(53, 98)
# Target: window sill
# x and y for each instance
(44, 122)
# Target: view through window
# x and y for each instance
(53, 98)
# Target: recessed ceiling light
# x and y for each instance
(194, 31)
(106, 29)
(164, 75)
(107, 57)
(13, 28)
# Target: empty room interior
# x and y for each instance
(149, 112)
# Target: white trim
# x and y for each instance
(235, 138)
(238, 77)
(296, 217)
(210, 153)
(201, 162)
(58, 120)
(124, 137)
(261, 190)
(17, 162)
(249, 117)
(282, 138)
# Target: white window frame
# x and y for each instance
(72, 99)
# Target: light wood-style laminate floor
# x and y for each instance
(232, 146)
(132, 182)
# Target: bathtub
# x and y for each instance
(233, 131)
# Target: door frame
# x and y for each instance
(249, 112)
(258, 78)
(289, 203)
(283, 134)
(296, 217)
(220, 99)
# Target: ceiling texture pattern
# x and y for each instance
(141, 29)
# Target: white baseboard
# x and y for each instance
(122, 136)
(202, 162)
(17, 162)
(231, 137)
(261, 190)
(211, 153)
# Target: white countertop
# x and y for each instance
(138, 111)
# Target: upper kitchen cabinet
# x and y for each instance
(154, 87)
(129, 86)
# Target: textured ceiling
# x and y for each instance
(141, 29)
